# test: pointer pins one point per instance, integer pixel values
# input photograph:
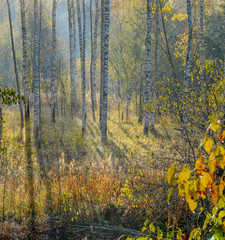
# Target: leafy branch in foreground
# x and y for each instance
(202, 187)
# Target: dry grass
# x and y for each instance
(121, 184)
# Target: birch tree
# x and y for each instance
(202, 56)
(84, 72)
(73, 88)
(104, 65)
(39, 59)
(102, 60)
(82, 57)
(53, 62)
(93, 54)
(188, 63)
(27, 110)
(148, 67)
(36, 74)
(71, 43)
(156, 62)
(15, 65)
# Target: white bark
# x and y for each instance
(36, 74)
(72, 68)
(156, 62)
(188, 63)
(148, 67)
(53, 62)
(105, 72)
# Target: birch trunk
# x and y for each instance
(188, 63)
(91, 67)
(84, 72)
(148, 66)
(102, 60)
(93, 54)
(39, 61)
(71, 42)
(53, 62)
(28, 151)
(156, 62)
(96, 25)
(105, 72)
(36, 74)
(74, 87)
(202, 56)
(15, 65)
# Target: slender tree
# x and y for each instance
(148, 66)
(84, 72)
(105, 72)
(202, 56)
(91, 67)
(102, 60)
(156, 61)
(36, 74)
(53, 62)
(39, 60)
(82, 57)
(188, 63)
(95, 44)
(28, 151)
(93, 54)
(71, 42)
(73, 90)
(15, 65)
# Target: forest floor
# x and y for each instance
(90, 191)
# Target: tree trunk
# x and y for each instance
(95, 51)
(105, 72)
(28, 151)
(140, 119)
(188, 63)
(15, 66)
(74, 87)
(71, 40)
(53, 62)
(156, 62)
(148, 66)
(102, 60)
(202, 56)
(91, 67)
(36, 75)
(39, 61)
(84, 73)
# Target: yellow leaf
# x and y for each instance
(191, 202)
(184, 175)
(215, 195)
(221, 214)
(208, 145)
(199, 165)
(215, 126)
(192, 195)
(171, 174)
(212, 163)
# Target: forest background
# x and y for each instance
(108, 95)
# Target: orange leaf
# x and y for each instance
(215, 195)
(199, 165)
(222, 136)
